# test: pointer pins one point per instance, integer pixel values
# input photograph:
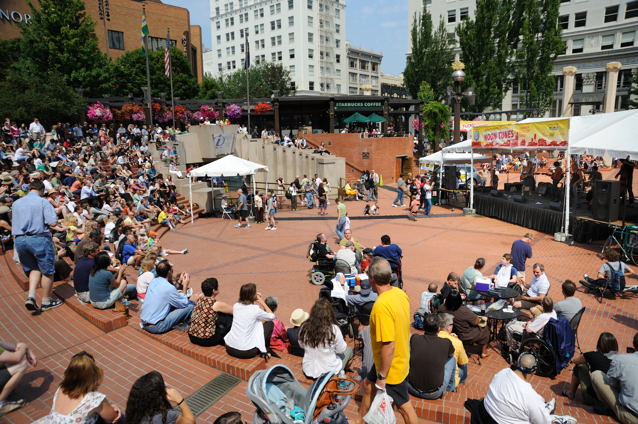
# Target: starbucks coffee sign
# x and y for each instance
(358, 105)
(14, 16)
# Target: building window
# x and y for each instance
(291, 20)
(632, 10)
(337, 43)
(220, 67)
(363, 65)
(451, 16)
(337, 28)
(116, 40)
(624, 79)
(311, 37)
(311, 85)
(464, 13)
(218, 25)
(291, 37)
(219, 53)
(560, 82)
(580, 19)
(291, 4)
(627, 39)
(563, 21)
(337, 13)
(578, 45)
(291, 68)
(310, 8)
(278, 23)
(311, 20)
(611, 13)
(338, 88)
(375, 67)
(311, 69)
(159, 43)
(311, 53)
(607, 42)
(600, 80)
(272, 41)
(279, 40)
(291, 53)
(338, 58)
(353, 64)
(578, 82)
(219, 39)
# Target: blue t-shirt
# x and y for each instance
(128, 250)
(521, 251)
(100, 285)
(391, 252)
(81, 274)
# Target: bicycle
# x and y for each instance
(625, 239)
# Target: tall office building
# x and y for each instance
(364, 71)
(600, 38)
(307, 37)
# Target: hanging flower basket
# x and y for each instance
(138, 116)
(262, 108)
(132, 112)
(233, 111)
(97, 112)
(207, 111)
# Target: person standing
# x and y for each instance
(32, 218)
(271, 205)
(626, 174)
(521, 251)
(242, 208)
(341, 220)
(427, 189)
(36, 130)
(390, 340)
(401, 187)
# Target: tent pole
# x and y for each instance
(471, 178)
(568, 178)
(441, 179)
(190, 196)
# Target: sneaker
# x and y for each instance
(237, 225)
(273, 228)
(248, 226)
(10, 406)
(551, 405)
(268, 227)
(395, 206)
(564, 419)
(588, 285)
(30, 304)
(53, 304)
(184, 251)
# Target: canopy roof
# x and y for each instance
(228, 166)
(375, 118)
(439, 157)
(462, 147)
(355, 117)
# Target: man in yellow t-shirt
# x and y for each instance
(390, 340)
(446, 322)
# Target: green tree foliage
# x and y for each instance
(540, 43)
(430, 58)
(129, 74)
(485, 51)
(436, 116)
(61, 39)
(9, 54)
(633, 91)
(263, 78)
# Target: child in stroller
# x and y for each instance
(281, 399)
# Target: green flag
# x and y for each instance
(144, 32)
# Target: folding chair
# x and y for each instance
(575, 322)
(226, 213)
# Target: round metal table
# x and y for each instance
(497, 316)
(499, 293)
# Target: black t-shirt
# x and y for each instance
(293, 336)
(428, 355)
(597, 361)
(81, 274)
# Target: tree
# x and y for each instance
(633, 91)
(430, 58)
(61, 40)
(540, 43)
(263, 78)
(9, 54)
(486, 51)
(129, 74)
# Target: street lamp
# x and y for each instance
(458, 76)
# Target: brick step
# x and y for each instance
(16, 271)
(214, 356)
(106, 320)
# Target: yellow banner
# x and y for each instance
(469, 125)
(544, 134)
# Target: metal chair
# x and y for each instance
(575, 322)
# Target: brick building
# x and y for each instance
(118, 26)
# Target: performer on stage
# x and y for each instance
(626, 174)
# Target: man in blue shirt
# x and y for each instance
(32, 218)
(389, 251)
(164, 306)
(521, 251)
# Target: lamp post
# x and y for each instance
(104, 14)
(458, 76)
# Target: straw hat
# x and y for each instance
(6, 178)
(4, 209)
(298, 317)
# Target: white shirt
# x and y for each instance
(538, 286)
(143, 280)
(108, 228)
(428, 191)
(504, 276)
(36, 127)
(512, 400)
(247, 330)
(538, 324)
(319, 360)
(349, 256)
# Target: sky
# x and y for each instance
(379, 25)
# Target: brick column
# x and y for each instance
(569, 72)
(612, 79)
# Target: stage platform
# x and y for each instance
(537, 214)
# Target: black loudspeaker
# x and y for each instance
(496, 193)
(449, 180)
(518, 198)
(556, 206)
(544, 189)
(605, 203)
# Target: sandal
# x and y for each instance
(565, 393)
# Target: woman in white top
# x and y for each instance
(325, 350)
(247, 337)
(76, 401)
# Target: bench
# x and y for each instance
(106, 320)
(214, 356)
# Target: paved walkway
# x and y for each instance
(275, 260)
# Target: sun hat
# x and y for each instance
(4, 209)
(298, 317)
(6, 178)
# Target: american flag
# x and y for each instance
(167, 57)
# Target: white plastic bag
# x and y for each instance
(381, 410)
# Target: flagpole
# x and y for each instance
(170, 71)
(247, 68)
(148, 78)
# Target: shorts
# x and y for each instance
(526, 304)
(36, 253)
(272, 212)
(398, 392)
(4, 376)
(243, 213)
(520, 274)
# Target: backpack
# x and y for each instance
(558, 333)
(120, 250)
(616, 278)
(419, 318)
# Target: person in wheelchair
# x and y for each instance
(611, 274)
(320, 253)
(518, 331)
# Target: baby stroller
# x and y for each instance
(323, 267)
(281, 399)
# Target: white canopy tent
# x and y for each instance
(228, 166)
(441, 158)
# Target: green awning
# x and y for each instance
(355, 117)
(375, 118)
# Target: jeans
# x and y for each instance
(448, 383)
(428, 206)
(310, 200)
(339, 230)
(371, 195)
(173, 318)
(462, 373)
(36, 253)
(399, 199)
